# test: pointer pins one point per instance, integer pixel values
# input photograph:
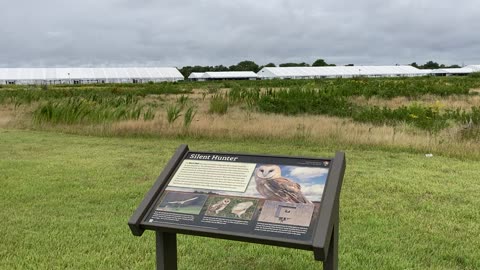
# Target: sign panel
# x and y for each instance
(257, 196)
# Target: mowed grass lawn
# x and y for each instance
(65, 201)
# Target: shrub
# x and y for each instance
(188, 117)
(173, 112)
(78, 110)
(149, 114)
(302, 101)
(218, 104)
(182, 101)
(474, 75)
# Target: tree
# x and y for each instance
(267, 65)
(303, 64)
(245, 66)
(321, 63)
(220, 68)
(187, 70)
(431, 65)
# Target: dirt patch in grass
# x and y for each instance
(475, 91)
(6, 117)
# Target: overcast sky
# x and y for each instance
(51, 33)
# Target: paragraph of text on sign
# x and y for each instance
(215, 175)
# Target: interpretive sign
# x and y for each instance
(283, 201)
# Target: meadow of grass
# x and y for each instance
(66, 200)
(429, 114)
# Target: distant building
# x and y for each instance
(475, 68)
(456, 71)
(339, 72)
(88, 75)
(196, 76)
(452, 71)
(228, 75)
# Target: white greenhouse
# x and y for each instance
(474, 68)
(196, 76)
(88, 75)
(229, 75)
(222, 75)
(339, 72)
(452, 71)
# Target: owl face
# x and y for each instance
(268, 172)
(226, 201)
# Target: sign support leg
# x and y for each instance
(166, 251)
(331, 262)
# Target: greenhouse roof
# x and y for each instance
(475, 68)
(89, 73)
(229, 74)
(464, 70)
(339, 71)
(196, 75)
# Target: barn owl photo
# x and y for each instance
(273, 186)
(219, 206)
(240, 208)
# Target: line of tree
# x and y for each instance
(432, 65)
(247, 65)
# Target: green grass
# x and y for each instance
(66, 199)
(368, 87)
(25, 94)
(78, 110)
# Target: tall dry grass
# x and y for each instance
(449, 102)
(239, 123)
(11, 115)
(309, 129)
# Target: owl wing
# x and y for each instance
(287, 190)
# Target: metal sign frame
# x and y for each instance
(324, 242)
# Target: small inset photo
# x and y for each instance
(298, 214)
(231, 207)
(180, 202)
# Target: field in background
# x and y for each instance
(428, 114)
(66, 200)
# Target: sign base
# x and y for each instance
(166, 251)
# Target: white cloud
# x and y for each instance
(307, 173)
(313, 192)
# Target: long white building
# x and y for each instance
(456, 71)
(88, 75)
(339, 72)
(222, 75)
